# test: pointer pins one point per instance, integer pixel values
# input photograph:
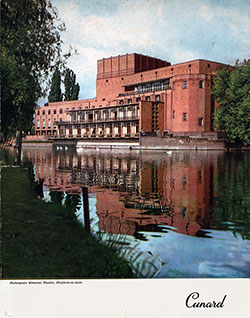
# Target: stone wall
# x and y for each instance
(161, 143)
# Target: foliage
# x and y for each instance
(30, 50)
(232, 206)
(47, 240)
(232, 92)
(142, 264)
(55, 94)
(18, 95)
(71, 88)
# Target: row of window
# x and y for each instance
(49, 123)
(49, 112)
(185, 84)
(148, 98)
(184, 118)
(184, 115)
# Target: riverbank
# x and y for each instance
(201, 142)
(44, 240)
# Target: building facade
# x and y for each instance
(137, 94)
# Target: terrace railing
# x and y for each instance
(146, 90)
(97, 121)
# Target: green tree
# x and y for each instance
(55, 94)
(30, 51)
(232, 92)
(71, 88)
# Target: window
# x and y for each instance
(103, 99)
(129, 101)
(201, 84)
(121, 101)
(43, 112)
(184, 180)
(138, 99)
(38, 124)
(60, 111)
(200, 121)
(49, 112)
(54, 111)
(184, 85)
(122, 78)
(43, 123)
(157, 98)
(199, 176)
(173, 115)
(38, 113)
(208, 65)
(147, 98)
(107, 81)
(49, 123)
(184, 116)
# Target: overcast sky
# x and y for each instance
(173, 30)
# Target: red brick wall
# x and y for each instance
(115, 72)
(145, 122)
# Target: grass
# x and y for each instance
(44, 240)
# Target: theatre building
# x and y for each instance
(137, 95)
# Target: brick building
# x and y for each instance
(137, 93)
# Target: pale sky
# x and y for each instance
(173, 30)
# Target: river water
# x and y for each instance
(175, 214)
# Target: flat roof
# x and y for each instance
(152, 57)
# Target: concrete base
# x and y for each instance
(107, 145)
(32, 145)
(158, 143)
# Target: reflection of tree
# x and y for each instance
(232, 205)
(56, 197)
(72, 202)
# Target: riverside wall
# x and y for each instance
(143, 143)
(178, 143)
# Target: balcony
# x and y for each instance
(146, 90)
(97, 121)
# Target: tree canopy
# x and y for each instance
(55, 94)
(232, 92)
(30, 51)
(71, 88)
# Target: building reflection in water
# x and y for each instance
(134, 192)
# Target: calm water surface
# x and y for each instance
(186, 213)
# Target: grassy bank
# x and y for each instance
(44, 240)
